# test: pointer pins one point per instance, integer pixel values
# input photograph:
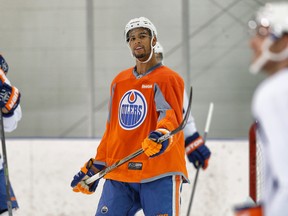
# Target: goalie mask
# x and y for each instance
(271, 21)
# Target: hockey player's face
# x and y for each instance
(259, 47)
(140, 43)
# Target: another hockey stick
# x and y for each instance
(208, 121)
(5, 166)
(140, 151)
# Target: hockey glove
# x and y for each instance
(9, 98)
(3, 64)
(197, 152)
(89, 169)
(151, 147)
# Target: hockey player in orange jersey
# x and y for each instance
(146, 101)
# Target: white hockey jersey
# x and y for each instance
(270, 110)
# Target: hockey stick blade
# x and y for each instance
(102, 173)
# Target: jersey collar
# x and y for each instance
(138, 76)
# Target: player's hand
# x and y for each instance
(3, 64)
(197, 152)
(150, 145)
(9, 98)
(89, 169)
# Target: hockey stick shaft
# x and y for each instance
(140, 151)
(208, 121)
(5, 165)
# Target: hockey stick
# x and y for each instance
(208, 121)
(5, 166)
(140, 151)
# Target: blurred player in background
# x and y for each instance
(11, 111)
(191, 135)
(269, 44)
(146, 102)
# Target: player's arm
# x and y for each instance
(9, 99)
(94, 165)
(196, 150)
(90, 168)
(11, 122)
(167, 121)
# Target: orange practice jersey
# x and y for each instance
(139, 105)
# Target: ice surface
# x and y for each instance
(41, 171)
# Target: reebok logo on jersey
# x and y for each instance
(147, 86)
(135, 166)
(132, 110)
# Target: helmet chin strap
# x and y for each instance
(267, 55)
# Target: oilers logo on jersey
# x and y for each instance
(132, 110)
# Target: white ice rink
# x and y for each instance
(41, 171)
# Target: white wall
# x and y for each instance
(45, 45)
(41, 171)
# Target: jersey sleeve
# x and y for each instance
(169, 105)
(11, 122)
(102, 147)
(166, 117)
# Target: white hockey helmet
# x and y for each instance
(138, 23)
(274, 16)
(158, 48)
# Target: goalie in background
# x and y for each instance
(269, 44)
(11, 112)
(146, 102)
